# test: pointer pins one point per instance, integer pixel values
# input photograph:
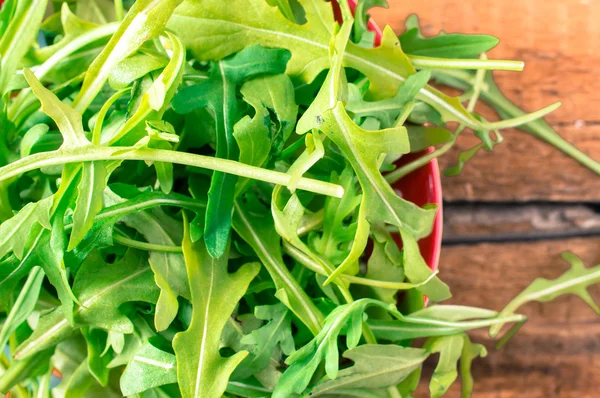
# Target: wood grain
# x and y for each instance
(509, 222)
(557, 353)
(558, 40)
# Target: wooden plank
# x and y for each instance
(465, 223)
(557, 40)
(557, 352)
(523, 168)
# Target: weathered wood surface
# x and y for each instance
(557, 353)
(558, 40)
(468, 223)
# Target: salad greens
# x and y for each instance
(195, 200)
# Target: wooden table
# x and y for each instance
(512, 212)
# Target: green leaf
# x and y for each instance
(375, 366)
(421, 137)
(219, 95)
(361, 33)
(574, 281)
(14, 232)
(363, 149)
(23, 369)
(100, 235)
(149, 368)
(101, 288)
(145, 20)
(260, 137)
(97, 363)
(22, 26)
(201, 370)
(387, 110)
(89, 200)
(385, 263)
(417, 271)
(264, 340)
(23, 305)
(133, 68)
(445, 373)
(303, 363)
(470, 352)
(66, 118)
(169, 268)
(252, 222)
(255, 22)
(463, 158)
(156, 96)
(444, 45)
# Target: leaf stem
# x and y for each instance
(119, 12)
(517, 121)
(95, 152)
(477, 64)
(151, 247)
(400, 172)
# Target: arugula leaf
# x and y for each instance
(168, 268)
(149, 368)
(387, 110)
(375, 366)
(23, 305)
(277, 332)
(218, 94)
(256, 22)
(470, 352)
(260, 137)
(15, 232)
(94, 175)
(361, 33)
(156, 97)
(444, 45)
(25, 13)
(201, 370)
(304, 362)
(445, 373)
(97, 363)
(575, 281)
(451, 349)
(145, 20)
(252, 223)
(100, 288)
(380, 204)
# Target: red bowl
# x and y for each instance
(422, 186)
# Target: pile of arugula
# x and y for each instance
(188, 190)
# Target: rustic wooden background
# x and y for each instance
(512, 212)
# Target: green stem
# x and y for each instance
(478, 64)
(136, 244)
(400, 172)
(517, 121)
(119, 12)
(94, 153)
(102, 114)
